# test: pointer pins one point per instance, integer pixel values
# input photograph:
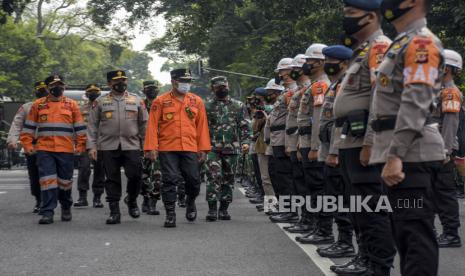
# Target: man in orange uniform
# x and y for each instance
(177, 132)
(60, 132)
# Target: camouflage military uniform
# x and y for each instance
(229, 129)
(151, 174)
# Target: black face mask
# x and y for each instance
(295, 75)
(332, 69)
(391, 10)
(221, 94)
(120, 87)
(348, 41)
(93, 96)
(307, 69)
(41, 93)
(278, 79)
(151, 93)
(57, 91)
(350, 24)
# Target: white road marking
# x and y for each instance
(322, 263)
(3, 192)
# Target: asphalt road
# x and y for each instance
(247, 245)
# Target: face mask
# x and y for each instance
(348, 41)
(391, 10)
(295, 75)
(278, 80)
(41, 93)
(332, 69)
(93, 96)
(350, 24)
(151, 93)
(268, 108)
(57, 91)
(221, 94)
(183, 87)
(120, 87)
(307, 69)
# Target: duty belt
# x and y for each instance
(291, 130)
(305, 130)
(277, 128)
(339, 122)
(389, 123)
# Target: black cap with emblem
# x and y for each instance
(181, 75)
(115, 75)
(54, 79)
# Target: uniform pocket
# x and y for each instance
(169, 113)
(352, 81)
(384, 76)
(131, 112)
(107, 113)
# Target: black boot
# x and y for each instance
(82, 201)
(182, 201)
(170, 220)
(318, 237)
(260, 207)
(285, 218)
(115, 214)
(66, 214)
(36, 209)
(357, 266)
(449, 241)
(133, 209)
(223, 211)
(97, 203)
(46, 219)
(212, 211)
(191, 209)
(338, 249)
(145, 204)
(153, 207)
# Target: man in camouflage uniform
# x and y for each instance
(13, 137)
(151, 174)
(229, 132)
(92, 93)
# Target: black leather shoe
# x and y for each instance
(191, 209)
(449, 241)
(285, 218)
(260, 207)
(212, 211)
(36, 209)
(223, 211)
(66, 214)
(96, 202)
(82, 201)
(300, 228)
(317, 238)
(257, 200)
(153, 207)
(306, 235)
(356, 266)
(133, 210)
(170, 219)
(145, 204)
(337, 250)
(46, 220)
(115, 214)
(182, 202)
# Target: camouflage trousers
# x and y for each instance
(151, 178)
(219, 170)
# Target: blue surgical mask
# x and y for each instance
(183, 87)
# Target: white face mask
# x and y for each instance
(183, 87)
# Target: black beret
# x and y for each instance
(261, 91)
(338, 52)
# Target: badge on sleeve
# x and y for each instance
(422, 62)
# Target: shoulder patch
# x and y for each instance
(451, 100)
(377, 52)
(421, 61)
(318, 92)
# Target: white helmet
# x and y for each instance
(285, 63)
(316, 51)
(453, 59)
(299, 61)
(271, 85)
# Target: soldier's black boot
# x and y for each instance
(191, 209)
(97, 202)
(133, 209)
(82, 201)
(153, 207)
(66, 214)
(357, 266)
(115, 214)
(223, 211)
(182, 201)
(46, 219)
(212, 211)
(339, 249)
(145, 204)
(170, 220)
(449, 240)
(36, 207)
